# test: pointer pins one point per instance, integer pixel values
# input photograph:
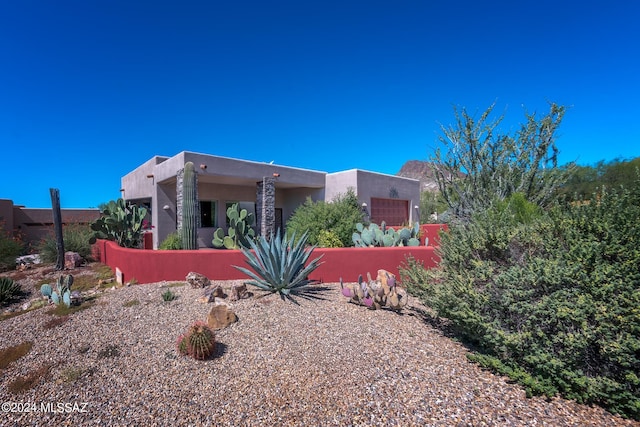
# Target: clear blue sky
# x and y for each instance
(91, 89)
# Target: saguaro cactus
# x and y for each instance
(189, 229)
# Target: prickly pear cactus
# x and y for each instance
(240, 231)
(375, 294)
(383, 236)
(62, 293)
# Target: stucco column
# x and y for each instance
(266, 206)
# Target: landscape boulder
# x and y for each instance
(72, 260)
(197, 280)
(221, 316)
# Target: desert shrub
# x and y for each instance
(172, 242)
(550, 299)
(481, 164)
(76, 239)
(413, 276)
(338, 216)
(11, 247)
(329, 239)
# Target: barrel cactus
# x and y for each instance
(199, 342)
(189, 229)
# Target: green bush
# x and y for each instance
(10, 248)
(338, 217)
(550, 299)
(329, 239)
(76, 239)
(172, 242)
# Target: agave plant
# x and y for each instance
(279, 267)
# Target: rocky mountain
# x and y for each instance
(422, 171)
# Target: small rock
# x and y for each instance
(72, 260)
(211, 293)
(221, 316)
(76, 298)
(239, 292)
(197, 280)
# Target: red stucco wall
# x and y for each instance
(147, 266)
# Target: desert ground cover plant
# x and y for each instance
(549, 298)
(338, 217)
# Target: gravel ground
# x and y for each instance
(323, 363)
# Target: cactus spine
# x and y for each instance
(189, 228)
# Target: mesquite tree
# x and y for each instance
(481, 165)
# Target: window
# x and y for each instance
(208, 213)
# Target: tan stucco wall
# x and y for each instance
(372, 184)
(34, 224)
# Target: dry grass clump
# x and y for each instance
(22, 384)
(11, 354)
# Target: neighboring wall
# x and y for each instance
(33, 224)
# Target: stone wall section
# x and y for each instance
(266, 206)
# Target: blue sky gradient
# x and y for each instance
(90, 90)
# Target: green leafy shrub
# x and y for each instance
(551, 299)
(414, 276)
(338, 217)
(279, 266)
(10, 248)
(329, 239)
(76, 239)
(9, 290)
(172, 242)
